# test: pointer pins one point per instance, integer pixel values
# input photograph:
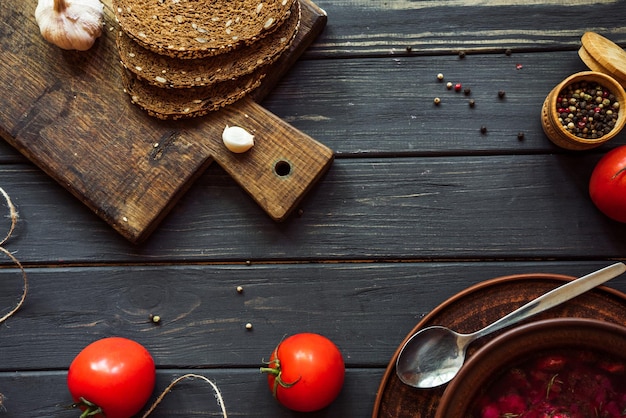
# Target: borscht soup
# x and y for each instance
(563, 383)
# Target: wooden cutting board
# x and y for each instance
(66, 111)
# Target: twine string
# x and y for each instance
(13, 215)
(218, 394)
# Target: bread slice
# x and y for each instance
(190, 102)
(199, 28)
(165, 71)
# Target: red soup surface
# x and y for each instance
(558, 384)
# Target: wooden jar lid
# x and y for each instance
(604, 56)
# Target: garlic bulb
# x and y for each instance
(237, 139)
(70, 24)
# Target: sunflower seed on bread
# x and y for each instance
(199, 28)
(190, 102)
(165, 71)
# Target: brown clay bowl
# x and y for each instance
(476, 307)
(602, 339)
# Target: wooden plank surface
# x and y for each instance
(203, 324)
(358, 113)
(240, 388)
(339, 111)
(537, 206)
(417, 206)
(203, 316)
(449, 26)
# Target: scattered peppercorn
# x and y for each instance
(467, 91)
(449, 85)
(587, 110)
(155, 319)
(440, 77)
(501, 94)
(239, 289)
(457, 87)
(508, 52)
(520, 136)
(483, 129)
(436, 101)
(248, 326)
(461, 54)
(409, 48)
(472, 103)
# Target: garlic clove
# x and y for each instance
(237, 139)
(70, 24)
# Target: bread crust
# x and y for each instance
(172, 104)
(165, 71)
(189, 29)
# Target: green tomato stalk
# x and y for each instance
(91, 409)
(276, 371)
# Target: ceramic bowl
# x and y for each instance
(514, 348)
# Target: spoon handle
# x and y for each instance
(555, 297)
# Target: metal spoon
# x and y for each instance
(434, 355)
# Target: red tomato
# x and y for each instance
(114, 374)
(607, 185)
(306, 372)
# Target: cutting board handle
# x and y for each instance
(280, 168)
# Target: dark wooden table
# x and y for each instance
(418, 205)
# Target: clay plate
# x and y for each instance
(476, 307)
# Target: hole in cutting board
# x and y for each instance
(282, 168)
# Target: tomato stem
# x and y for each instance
(277, 373)
(91, 409)
(270, 370)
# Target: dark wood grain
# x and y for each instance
(366, 308)
(195, 304)
(356, 112)
(385, 208)
(245, 394)
(363, 27)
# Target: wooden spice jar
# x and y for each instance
(606, 61)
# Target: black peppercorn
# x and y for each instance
(472, 103)
(520, 136)
(461, 54)
(483, 129)
(587, 110)
(501, 94)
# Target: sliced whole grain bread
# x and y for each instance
(199, 28)
(164, 71)
(190, 102)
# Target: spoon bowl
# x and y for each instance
(438, 357)
(434, 355)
